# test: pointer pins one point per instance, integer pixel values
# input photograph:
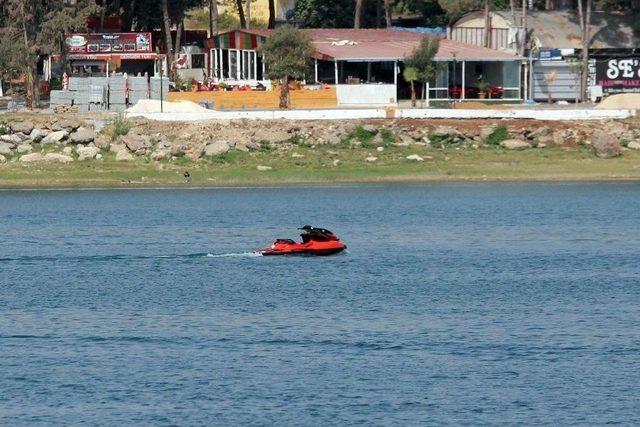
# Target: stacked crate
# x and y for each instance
(155, 88)
(60, 97)
(138, 89)
(117, 93)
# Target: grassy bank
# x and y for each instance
(317, 166)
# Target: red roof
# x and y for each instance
(389, 45)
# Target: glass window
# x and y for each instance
(197, 60)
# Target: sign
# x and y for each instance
(108, 43)
(550, 54)
(618, 75)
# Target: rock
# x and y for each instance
(5, 147)
(515, 144)
(137, 143)
(82, 136)
(380, 149)
(124, 156)
(634, 145)
(605, 144)
(102, 142)
(11, 139)
(336, 162)
(264, 168)
(541, 131)
(3, 159)
(370, 129)
(86, 152)
(241, 146)
(67, 150)
(24, 127)
(36, 135)
(485, 131)
(55, 137)
(98, 156)
(57, 157)
(371, 159)
(541, 145)
(194, 153)
(160, 154)
(178, 150)
(30, 158)
(405, 140)
(415, 157)
(24, 148)
(297, 156)
(216, 148)
(65, 124)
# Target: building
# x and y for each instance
(366, 65)
(554, 45)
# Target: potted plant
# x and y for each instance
(482, 89)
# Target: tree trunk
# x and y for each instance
(128, 17)
(523, 34)
(387, 12)
(213, 17)
(166, 24)
(30, 68)
(243, 21)
(285, 98)
(179, 32)
(487, 24)
(413, 95)
(248, 14)
(357, 14)
(103, 12)
(272, 14)
(585, 27)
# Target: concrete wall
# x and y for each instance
(381, 113)
(367, 94)
(193, 73)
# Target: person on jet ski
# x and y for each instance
(317, 234)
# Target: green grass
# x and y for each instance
(119, 126)
(240, 168)
(499, 134)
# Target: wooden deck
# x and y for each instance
(257, 100)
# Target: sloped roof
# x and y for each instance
(385, 45)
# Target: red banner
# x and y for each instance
(116, 43)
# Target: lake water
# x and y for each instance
(456, 304)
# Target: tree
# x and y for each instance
(213, 17)
(387, 12)
(585, 29)
(411, 75)
(325, 13)
(32, 28)
(272, 15)
(487, 24)
(423, 59)
(287, 54)
(357, 14)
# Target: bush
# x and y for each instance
(119, 127)
(498, 135)
(388, 138)
(265, 146)
(3, 128)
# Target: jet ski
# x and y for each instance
(315, 241)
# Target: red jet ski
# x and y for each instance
(315, 241)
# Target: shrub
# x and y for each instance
(3, 128)
(119, 127)
(388, 138)
(297, 139)
(265, 145)
(498, 135)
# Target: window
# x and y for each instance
(198, 60)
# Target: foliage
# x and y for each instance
(362, 135)
(265, 146)
(483, 86)
(498, 135)
(119, 127)
(410, 74)
(287, 52)
(422, 59)
(3, 128)
(333, 13)
(388, 138)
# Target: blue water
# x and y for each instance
(457, 304)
